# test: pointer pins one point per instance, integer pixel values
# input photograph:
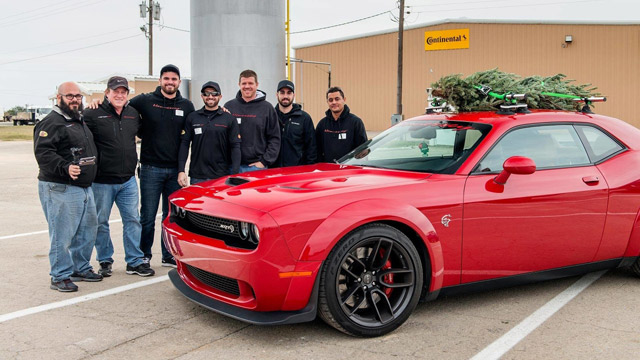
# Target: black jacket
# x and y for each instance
(336, 138)
(215, 144)
(259, 128)
(115, 138)
(162, 126)
(297, 138)
(53, 138)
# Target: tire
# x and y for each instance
(371, 281)
(636, 266)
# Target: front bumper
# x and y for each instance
(267, 279)
(308, 313)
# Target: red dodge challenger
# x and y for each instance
(435, 205)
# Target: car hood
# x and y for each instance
(270, 189)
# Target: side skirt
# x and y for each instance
(528, 278)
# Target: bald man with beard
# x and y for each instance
(66, 156)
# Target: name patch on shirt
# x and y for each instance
(197, 130)
(342, 136)
(239, 120)
(179, 113)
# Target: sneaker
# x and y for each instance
(142, 270)
(89, 276)
(65, 285)
(105, 269)
(169, 262)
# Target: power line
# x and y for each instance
(66, 42)
(172, 28)
(59, 10)
(38, 9)
(68, 51)
(346, 23)
(503, 6)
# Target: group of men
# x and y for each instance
(88, 159)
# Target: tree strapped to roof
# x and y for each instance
(488, 90)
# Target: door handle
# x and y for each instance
(591, 180)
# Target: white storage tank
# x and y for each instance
(228, 36)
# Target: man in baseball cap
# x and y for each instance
(116, 82)
(213, 136)
(114, 126)
(298, 141)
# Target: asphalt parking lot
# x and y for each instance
(129, 317)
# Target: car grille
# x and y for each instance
(215, 224)
(226, 230)
(215, 281)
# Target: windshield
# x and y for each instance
(420, 145)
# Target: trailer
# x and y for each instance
(31, 116)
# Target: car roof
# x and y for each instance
(626, 133)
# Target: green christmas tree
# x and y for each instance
(553, 92)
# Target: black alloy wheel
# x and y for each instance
(371, 282)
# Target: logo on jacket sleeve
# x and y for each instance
(43, 134)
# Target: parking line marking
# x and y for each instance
(507, 341)
(46, 231)
(80, 299)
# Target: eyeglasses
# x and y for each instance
(210, 93)
(71, 96)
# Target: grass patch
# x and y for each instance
(10, 133)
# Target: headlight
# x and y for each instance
(255, 232)
(244, 230)
(249, 232)
(177, 211)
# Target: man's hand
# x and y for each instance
(74, 171)
(225, 109)
(257, 164)
(182, 179)
(94, 104)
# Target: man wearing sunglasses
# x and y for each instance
(214, 138)
(66, 156)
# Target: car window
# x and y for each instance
(549, 146)
(427, 146)
(600, 144)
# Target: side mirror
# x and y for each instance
(520, 165)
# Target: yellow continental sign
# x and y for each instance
(446, 39)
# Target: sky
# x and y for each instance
(45, 43)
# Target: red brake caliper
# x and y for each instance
(388, 279)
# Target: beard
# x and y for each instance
(168, 91)
(212, 104)
(285, 102)
(74, 113)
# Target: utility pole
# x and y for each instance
(400, 49)
(154, 14)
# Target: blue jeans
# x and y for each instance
(247, 168)
(155, 182)
(125, 196)
(193, 180)
(71, 215)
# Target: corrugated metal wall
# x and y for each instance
(607, 56)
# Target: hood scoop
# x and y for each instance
(235, 181)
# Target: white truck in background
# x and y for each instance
(31, 116)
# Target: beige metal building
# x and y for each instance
(138, 84)
(606, 55)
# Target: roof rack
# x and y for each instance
(587, 101)
(436, 104)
